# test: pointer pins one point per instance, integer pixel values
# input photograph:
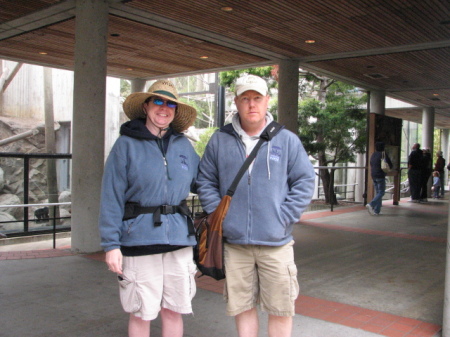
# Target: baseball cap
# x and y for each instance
(251, 82)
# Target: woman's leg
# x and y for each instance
(137, 327)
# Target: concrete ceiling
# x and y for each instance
(401, 47)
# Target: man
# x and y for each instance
(440, 167)
(415, 172)
(378, 178)
(270, 198)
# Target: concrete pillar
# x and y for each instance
(444, 145)
(288, 95)
(446, 312)
(138, 85)
(427, 128)
(359, 189)
(377, 102)
(88, 122)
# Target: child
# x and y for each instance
(436, 185)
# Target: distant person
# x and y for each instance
(415, 172)
(440, 167)
(427, 170)
(436, 185)
(378, 177)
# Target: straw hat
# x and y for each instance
(185, 115)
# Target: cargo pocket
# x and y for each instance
(192, 285)
(129, 297)
(295, 288)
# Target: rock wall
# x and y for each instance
(12, 174)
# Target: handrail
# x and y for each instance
(37, 205)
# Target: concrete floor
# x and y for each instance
(391, 266)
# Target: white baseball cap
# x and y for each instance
(251, 82)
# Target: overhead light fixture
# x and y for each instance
(226, 9)
(376, 76)
(203, 57)
(42, 53)
(435, 94)
(129, 69)
(310, 41)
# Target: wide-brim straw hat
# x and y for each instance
(185, 114)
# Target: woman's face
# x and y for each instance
(160, 113)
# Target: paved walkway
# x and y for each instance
(360, 276)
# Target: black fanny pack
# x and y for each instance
(133, 209)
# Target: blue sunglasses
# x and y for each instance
(160, 102)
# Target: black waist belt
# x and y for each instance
(133, 209)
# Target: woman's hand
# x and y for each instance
(114, 260)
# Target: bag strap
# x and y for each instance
(268, 133)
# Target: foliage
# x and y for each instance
(228, 78)
(335, 128)
(125, 89)
(200, 146)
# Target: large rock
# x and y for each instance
(2, 179)
(11, 199)
(15, 226)
(65, 210)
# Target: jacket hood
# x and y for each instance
(136, 129)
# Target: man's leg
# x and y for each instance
(280, 326)
(172, 323)
(247, 323)
(137, 327)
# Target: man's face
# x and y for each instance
(252, 107)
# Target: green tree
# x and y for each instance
(200, 146)
(332, 127)
(227, 78)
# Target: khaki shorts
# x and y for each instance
(260, 274)
(152, 282)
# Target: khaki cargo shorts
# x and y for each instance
(260, 274)
(152, 282)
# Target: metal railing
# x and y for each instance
(193, 201)
(27, 157)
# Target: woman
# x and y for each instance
(378, 177)
(145, 227)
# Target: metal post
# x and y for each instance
(26, 175)
(54, 226)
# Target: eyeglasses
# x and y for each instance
(160, 102)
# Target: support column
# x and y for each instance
(427, 128)
(88, 122)
(138, 85)
(378, 102)
(444, 145)
(288, 95)
(446, 313)
(359, 188)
